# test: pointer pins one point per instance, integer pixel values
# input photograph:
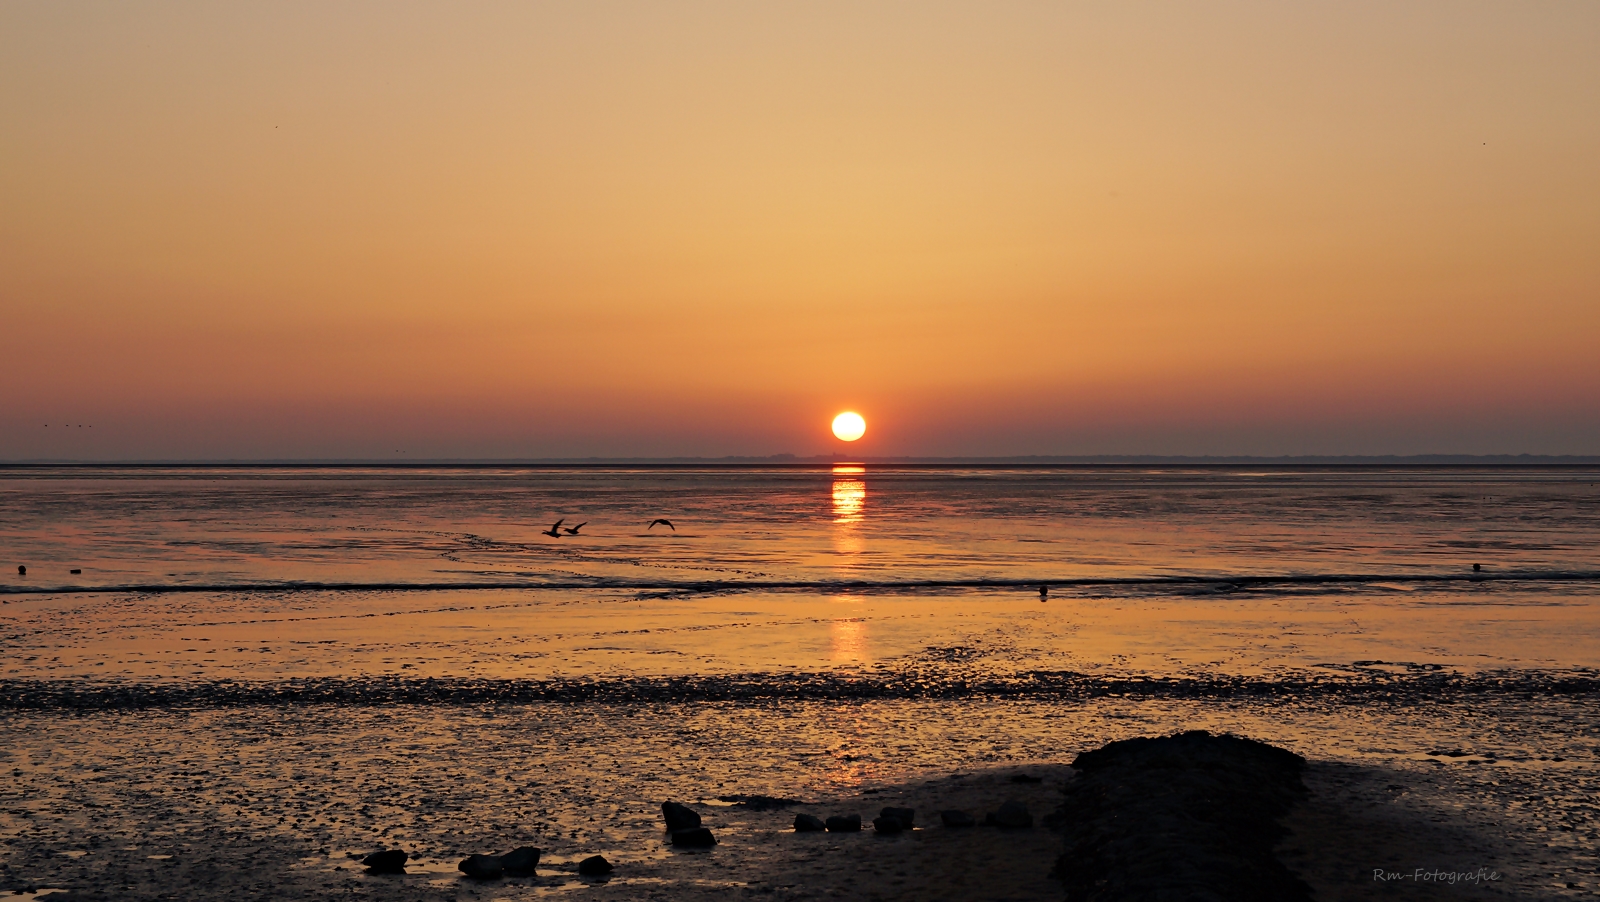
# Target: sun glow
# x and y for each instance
(848, 426)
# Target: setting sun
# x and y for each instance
(527, 307)
(849, 426)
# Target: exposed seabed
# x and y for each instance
(269, 800)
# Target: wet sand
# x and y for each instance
(270, 801)
(1369, 833)
(544, 635)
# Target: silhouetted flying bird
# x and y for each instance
(555, 528)
(573, 530)
(664, 522)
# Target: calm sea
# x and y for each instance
(297, 572)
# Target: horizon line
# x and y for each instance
(786, 459)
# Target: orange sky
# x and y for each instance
(522, 230)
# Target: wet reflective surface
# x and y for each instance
(154, 526)
(547, 635)
(271, 800)
(240, 743)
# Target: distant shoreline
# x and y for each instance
(792, 460)
(1224, 583)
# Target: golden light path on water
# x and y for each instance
(849, 640)
(849, 494)
(848, 633)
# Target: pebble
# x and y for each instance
(954, 818)
(679, 817)
(595, 866)
(696, 838)
(389, 861)
(887, 825)
(482, 867)
(808, 823)
(522, 862)
(843, 823)
(906, 816)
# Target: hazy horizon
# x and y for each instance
(838, 458)
(702, 229)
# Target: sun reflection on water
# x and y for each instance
(849, 640)
(849, 495)
(849, 500)
(848, 764)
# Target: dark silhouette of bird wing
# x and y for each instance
(573, 530)
(664, 522)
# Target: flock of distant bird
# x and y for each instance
(556, 530)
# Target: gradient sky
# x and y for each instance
(408, 230)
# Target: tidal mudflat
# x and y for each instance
(273, 800)
(256, 741)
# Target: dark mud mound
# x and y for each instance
(1186, 817)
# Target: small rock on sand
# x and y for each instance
(1013, 815)
(843, 823)
(887, 825)
(389, 861)
(697, 838)
(595, 866)
(808, 823)
(522, 862)
(482, 867)
(955, 818)
(906, 816)
(679, 817)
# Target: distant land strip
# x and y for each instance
(916, 683)
(795, 460)
(1218, 583)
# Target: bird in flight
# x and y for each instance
(555, 529)
(664, 522)
(573, 530)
